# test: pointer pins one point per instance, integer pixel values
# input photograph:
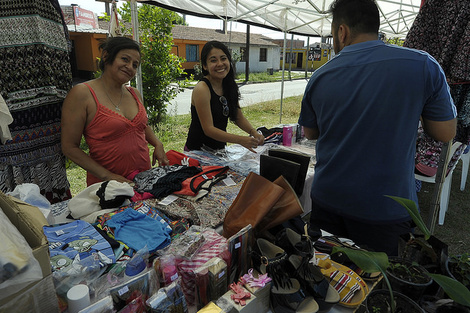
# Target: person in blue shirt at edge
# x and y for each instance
(214, 101)
(363, 107)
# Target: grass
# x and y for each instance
(173, 130)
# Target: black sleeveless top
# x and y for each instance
(196, 137)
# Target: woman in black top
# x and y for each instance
(214, 100)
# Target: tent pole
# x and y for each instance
(247, 57)
(306, 57)
(291, 55)
(283, 69)
(135, 36)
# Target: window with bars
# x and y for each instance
(263, 54)
(192, 53)
(242, 54)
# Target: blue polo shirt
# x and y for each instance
(366, 103)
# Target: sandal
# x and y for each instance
(352, 289)
(325, 244)
(271, 259)
(292, 299)
(300, 249)
(315, 284)
(312, 280)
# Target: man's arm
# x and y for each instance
(311, 133)
(442, 131)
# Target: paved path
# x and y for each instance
(251, 94)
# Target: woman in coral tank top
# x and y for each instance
(112, 119)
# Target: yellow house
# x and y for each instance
(314, 57)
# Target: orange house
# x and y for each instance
(85, 52)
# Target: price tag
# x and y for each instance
(123, 290)
(229, 181)
(168, 199)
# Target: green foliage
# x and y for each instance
(104, 17)
(412, 209)
(160, 68)
(459, 265)
(456, 291)
(396, 41)
(370, 262)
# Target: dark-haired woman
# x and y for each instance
(214, 101)
(112, 119)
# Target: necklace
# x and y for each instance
(120, 100)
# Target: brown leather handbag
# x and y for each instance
(287, 207)
(256, 198)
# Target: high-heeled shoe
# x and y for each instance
(287, 295)
(271, 259)
(292, 300)
(300, 251)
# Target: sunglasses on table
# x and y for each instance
(225, 108)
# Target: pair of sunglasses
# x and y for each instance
(225, 109)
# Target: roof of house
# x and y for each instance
(205, 34)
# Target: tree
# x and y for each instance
(160, 68)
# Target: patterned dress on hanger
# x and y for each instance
(35, 76)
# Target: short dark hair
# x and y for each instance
(112, 46)
(229, 84)
(361, 16)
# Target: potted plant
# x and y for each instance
(379, 262)
(408, 278)
(458, 267)
(424, 249)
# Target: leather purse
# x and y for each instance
(256, 198)
(287, 207)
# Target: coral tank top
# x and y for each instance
(117, 143)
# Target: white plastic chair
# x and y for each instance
(465, 163)
(445, 193)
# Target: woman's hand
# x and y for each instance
(160, 156)
(117, 178)
(249, 142)
(260, 138)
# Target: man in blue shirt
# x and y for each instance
(363, 107)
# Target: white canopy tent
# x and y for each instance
(300, 17)
(297, 17)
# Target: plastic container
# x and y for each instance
(287, 136)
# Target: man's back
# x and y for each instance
(366, 104)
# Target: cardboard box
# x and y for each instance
(29, 221)
(228, 305)
(262, 294)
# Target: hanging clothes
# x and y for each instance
(36, 76)
(442, 28)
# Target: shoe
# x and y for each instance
(292, 299)
(351, 288)
(269, 258)
(300, 251)
(315, 284)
